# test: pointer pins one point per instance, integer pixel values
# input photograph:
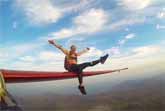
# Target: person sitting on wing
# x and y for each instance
(71, 65)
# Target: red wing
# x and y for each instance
(14, 76)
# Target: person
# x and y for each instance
(71, 65)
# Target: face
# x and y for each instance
(73, 48)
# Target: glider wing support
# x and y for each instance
(5, 98)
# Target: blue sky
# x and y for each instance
(128, 30)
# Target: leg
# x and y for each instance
(80, 78)
(93, 63)
(76, 69)
(82, 66)
(81, 86)
(88, 64)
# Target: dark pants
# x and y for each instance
(78, 68)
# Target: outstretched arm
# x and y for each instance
(58, 46)
(83, 51)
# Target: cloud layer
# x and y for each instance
(51, 60)
(134, 5)
(88, 22)
(86, 18)
(39, 11)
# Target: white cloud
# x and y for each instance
(79, 42)
(50, 56)
(27, 59)
(91, 21)
(121, 42)
(20, 49)
(88, 22)
(3, 56)
(126, 38)
(146, 51)
(137, 57)
(63, 33)
(130, 36)
(158, 26)
(161, 14)
(113, 51)
(39, 12)
(133, 5)
(44, 12)
(53, 61)
(116, 49)
(42, 60)
(74, 5)
(128, 21)
(17, 51)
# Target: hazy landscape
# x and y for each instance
(143, 94)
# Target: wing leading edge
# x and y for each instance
(15, 76)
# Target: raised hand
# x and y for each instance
(88, 48)
(51, 41)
